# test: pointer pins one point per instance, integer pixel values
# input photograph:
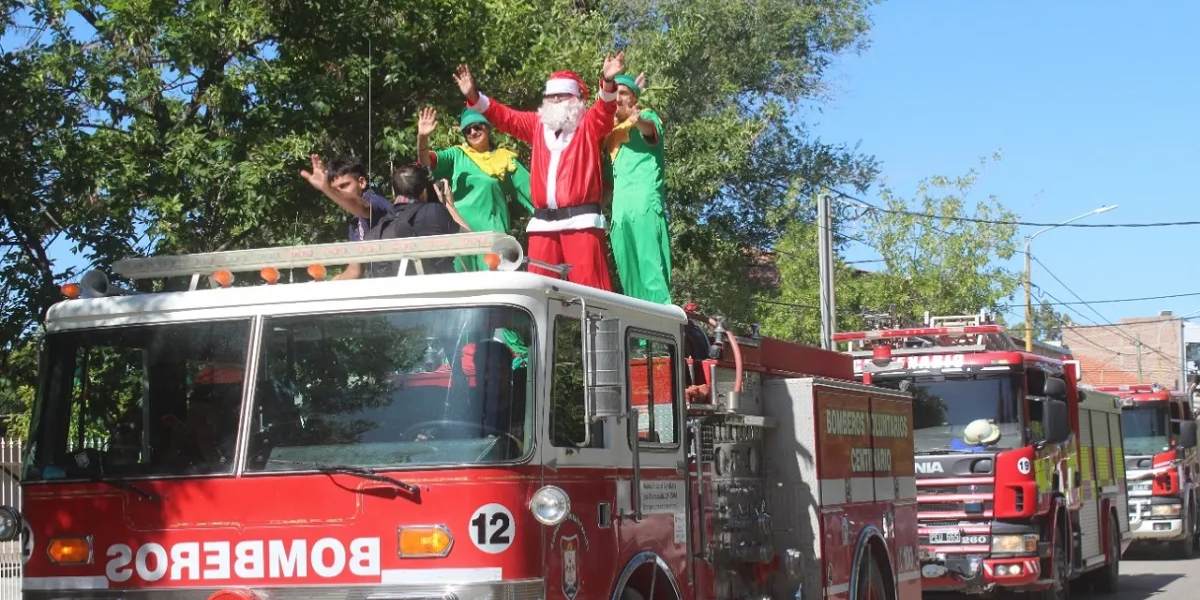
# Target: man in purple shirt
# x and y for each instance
(344, 181)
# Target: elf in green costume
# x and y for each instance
(640, 241)
(482, 178)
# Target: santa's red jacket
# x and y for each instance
(565, 171)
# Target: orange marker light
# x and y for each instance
(317, 272)
(270, 275)
(71, 290)
(223, 278)
(75, 550)
(424, 541)
(492, 260)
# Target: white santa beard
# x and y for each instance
(562, 116)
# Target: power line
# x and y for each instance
(869, 206)
(1118, 331)
(1119, 300)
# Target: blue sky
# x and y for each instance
(1091, 103)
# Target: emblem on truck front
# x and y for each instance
(570, 547)
(929, 467)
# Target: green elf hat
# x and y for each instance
(471, 117)
(629, 82)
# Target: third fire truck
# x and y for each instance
(1162, 465)
(469, 436)
(1019, 473)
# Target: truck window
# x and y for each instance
(139, 401)
(943, 407)
(652, 389)
(1146, 428)
(566, 388)
(391, 389)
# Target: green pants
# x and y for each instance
(472, 262)
(642, 249)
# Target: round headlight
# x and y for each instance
(10, 524)
(550, 505)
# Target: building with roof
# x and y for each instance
(1135, 350)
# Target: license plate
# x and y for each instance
(945, 537)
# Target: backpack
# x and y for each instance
(398, 223)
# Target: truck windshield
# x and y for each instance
(139, 401)
(392, 389)
(1146, 427)
(943, 409)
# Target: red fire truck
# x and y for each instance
(472, 435)
(1161, 464)
(1019, 476)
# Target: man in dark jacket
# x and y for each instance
(414, 214)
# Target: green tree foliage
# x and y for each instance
(182, 126)
(932, 261)
(170, 127)
(1048, 323)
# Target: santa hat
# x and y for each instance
(566, 82)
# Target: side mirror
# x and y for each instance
(604, 367)
(1056, 421)
(1187, 435)
(1055, 388)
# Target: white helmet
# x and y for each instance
(981, 432)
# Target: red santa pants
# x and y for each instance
(583, 249)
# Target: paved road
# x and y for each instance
(1148, 576)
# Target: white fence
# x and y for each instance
(11, 452)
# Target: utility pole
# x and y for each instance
(1028, 300)
(1182, 357)
(825, 262)
(1138, 345)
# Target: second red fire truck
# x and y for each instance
(468, 436)
(1162, 465)
(1020, 479)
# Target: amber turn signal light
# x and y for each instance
(269, 275)
(492, 260)
(224, 278)
(73, 550)
(317, 272)
(71, 290)
(431, 540)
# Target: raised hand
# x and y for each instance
(427, 122)
(317, 178)
(613, 65)
(466, 83)
(640, 81)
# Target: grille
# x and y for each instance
(940, 507)
(957, 489)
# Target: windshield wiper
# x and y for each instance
(121, 485)
(362, 472)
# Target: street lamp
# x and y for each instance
(1029, 273)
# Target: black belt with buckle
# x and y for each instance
(559, 214)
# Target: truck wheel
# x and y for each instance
(1185, 548)
(631, 594)
(1109, 579)
(1061, 588)
(871, 584)
(1195, 525)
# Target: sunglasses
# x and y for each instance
(474, 127)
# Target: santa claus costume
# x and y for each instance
(565, 180)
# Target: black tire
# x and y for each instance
(1108, 579)
(871, 583)
(631, 594)
(1185, 549)
(1061, 590)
